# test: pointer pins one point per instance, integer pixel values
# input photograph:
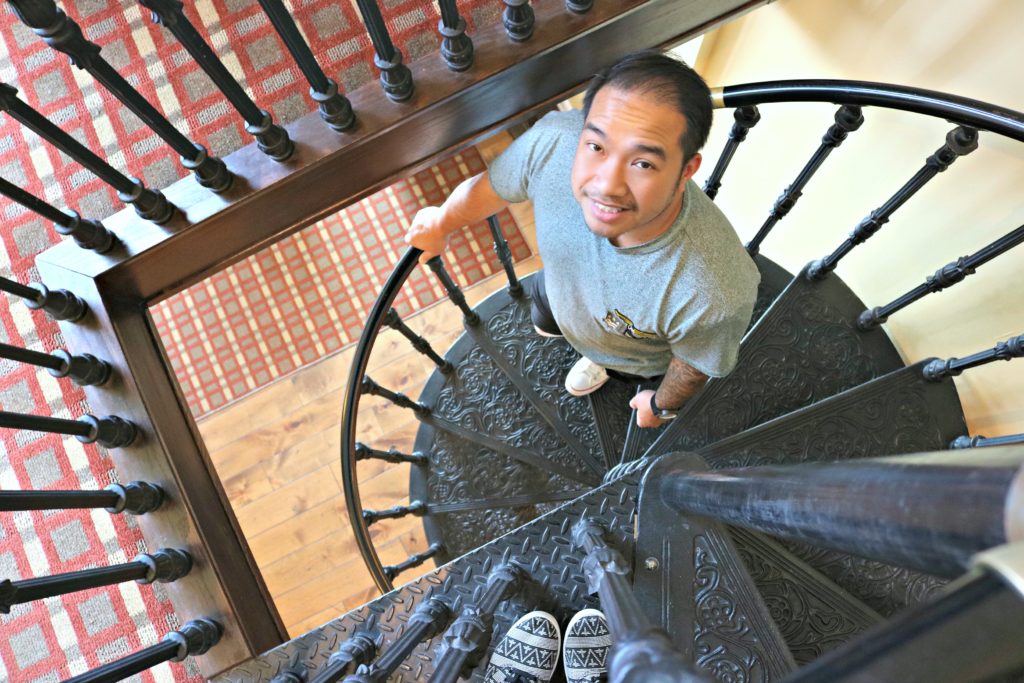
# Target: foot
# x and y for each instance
(528, 652)
(585, 652)
(585, 377)
(546, 334)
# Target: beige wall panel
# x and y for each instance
(971, 49)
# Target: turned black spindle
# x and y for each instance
(1007, 350)
(417, 508)
(149, 204)
(504, 252)
(393, 570)
(64, 34)
(85, 370)
(456, 46)
(847, 120)
(359, 649)
(454, 292)
(60, 304)
(335, 109)
(579, 6)
(364, 452)
(271, 138)
(944, 277)
(165, 565)
(195, 638)
(135, 498)
(745, 118)
(368, 386)
(639, 649)
(928, 511)
(430, 617)
(968, 632)
(984, 441)
(518, 19)
(88, 234)
(395, 77)
(960, 141)
(110, 431)
(394, 321)
(466, 639)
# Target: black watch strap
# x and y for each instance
(661, 413)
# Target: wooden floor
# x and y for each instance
(278, 455)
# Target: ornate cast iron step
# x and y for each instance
(805, 348)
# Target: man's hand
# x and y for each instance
(642, 404)
(426, 233)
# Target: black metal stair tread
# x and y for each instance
(805, 348)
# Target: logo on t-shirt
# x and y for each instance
(615, 321)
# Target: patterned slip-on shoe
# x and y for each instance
(587, 641)
(528, 653)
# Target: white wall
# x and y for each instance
(973, 49)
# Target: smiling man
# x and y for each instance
(643, 275)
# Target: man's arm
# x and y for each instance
(680, 382)
(473, 200)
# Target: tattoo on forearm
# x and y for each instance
(681, 381)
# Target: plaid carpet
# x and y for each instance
(53, 639)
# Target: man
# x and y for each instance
(643, 275)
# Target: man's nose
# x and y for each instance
(610, 179)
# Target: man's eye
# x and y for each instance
(644, 164)
(593, 147)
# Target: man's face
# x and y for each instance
(628, 174)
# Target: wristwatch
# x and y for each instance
(662, 413)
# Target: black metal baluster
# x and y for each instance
(454, 293)
(984, 441)
(745, 118)
(359, 649)
(579, 6)
(165, 565)
(368, 386)
(501, 248)
(518, 19)
(135, 498)
(393, 570)
(969, 632)
(430, 617)
(110, 431)
(364, 452)
(847, 119)
(149, 204)
(85, 370)
(195, 638)
(466, 640)
(456, 47)
(395, 322)
(947, 276)
(88, 234)
(639, 648)
(271, 138)
(334, 108)
(960, 141)
(1007, 350)
(60, 304)
(395, 77)
(417, 508)
(896, 510)
(64, 34)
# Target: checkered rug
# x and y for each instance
(337, 264)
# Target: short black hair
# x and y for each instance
(669, 80)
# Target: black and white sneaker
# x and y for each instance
(587, 641)
(528, 653)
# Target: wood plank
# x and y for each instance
(288, 501)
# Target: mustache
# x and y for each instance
(608, 201)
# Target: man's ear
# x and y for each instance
(689, 168)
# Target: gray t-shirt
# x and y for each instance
(688, 293)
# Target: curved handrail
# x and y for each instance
(348, 419)
(961, 110)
